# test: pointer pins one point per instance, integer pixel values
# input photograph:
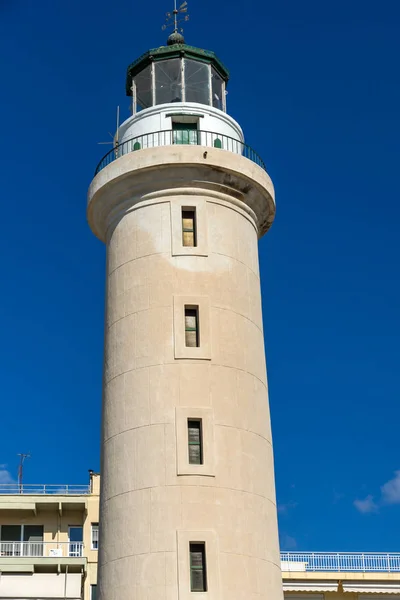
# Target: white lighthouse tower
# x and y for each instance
(188, 494)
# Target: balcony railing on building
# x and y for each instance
(41, 549)
(191, 137)
(341, 562)
(40, 489)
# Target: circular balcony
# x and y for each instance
(181, 136)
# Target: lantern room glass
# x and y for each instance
(178, 80)
(197, 82)
(217, 89)
(168, 81)
(143, 87)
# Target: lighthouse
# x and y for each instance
(188, 509)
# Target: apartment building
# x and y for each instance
(49, 541)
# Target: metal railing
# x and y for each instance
(41, 549)
(340, 562)
(169, 137)
(40, 489)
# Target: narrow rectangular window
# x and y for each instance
(95, 536)
(189, 227)
(93, 592)
(195, 441)
(192, 326)
(198, 577)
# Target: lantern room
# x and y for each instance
(177, 73)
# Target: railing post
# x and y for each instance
(338, 561)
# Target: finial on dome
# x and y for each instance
(175, 38)
(173, 20)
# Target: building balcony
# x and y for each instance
(371, 573)
(191, 137)
(42, 557)
(41, 549)
(41, 489)
(33, 498)
(340, 562)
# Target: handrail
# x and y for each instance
(341, 562)
(169, 137)
(41, 549)
(36, 488)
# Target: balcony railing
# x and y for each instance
(41, 549)
(340, 562)
(39, 489)
(189, 137)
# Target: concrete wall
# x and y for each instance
(149, 512)
(41, 585)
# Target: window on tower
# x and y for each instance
(197, 82)
(195, 442)
(198, 578)
(144, 90)
(192, 326)
(168, 81)
(189, 227)
(218, 91)
(185, 133)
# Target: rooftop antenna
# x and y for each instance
(115, 137)
(22, 458)
(178, 15)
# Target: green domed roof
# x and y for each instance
(174, 51)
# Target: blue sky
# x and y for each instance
(316, 88)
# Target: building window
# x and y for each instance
(95, 536)
(189, 227)
(75, 540)
(198, 579)
(192, 326)
(93, 592)
(195, 442)
(21, 540)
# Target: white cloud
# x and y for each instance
(284, 508)
(368, 505)
(287, 542)
(5, 476)
(391, 490)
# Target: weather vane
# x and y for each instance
(176, 16)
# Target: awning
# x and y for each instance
(310, 586)
(372, 587)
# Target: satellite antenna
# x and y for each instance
(115, 138)
(22, 458)
(178, 15)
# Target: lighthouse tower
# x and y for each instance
(188, 494)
